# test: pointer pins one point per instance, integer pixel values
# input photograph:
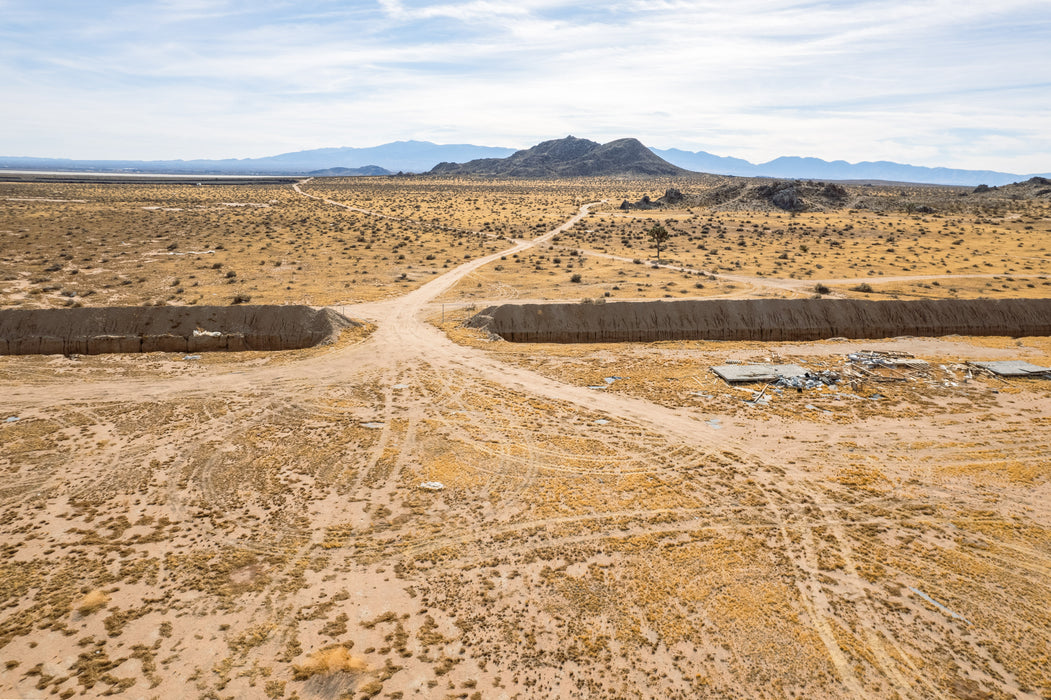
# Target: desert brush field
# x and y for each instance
(424, 510)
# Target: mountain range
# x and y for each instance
(793, 167)
(405, 156)
(581, 156)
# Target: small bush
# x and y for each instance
(96, 600)
(335, 659)
(821, 289)
(863, 287)
(576, 278)
(241, 299)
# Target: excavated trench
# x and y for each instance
(763, 319)
(125, 329)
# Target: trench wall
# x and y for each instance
(119, 329)
(763, 319)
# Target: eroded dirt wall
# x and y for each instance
(763, 319)
(116, 329)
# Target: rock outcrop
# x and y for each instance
(671, 196)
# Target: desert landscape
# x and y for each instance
(420, 508)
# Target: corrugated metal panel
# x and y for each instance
(1012, 368)
(757, 373)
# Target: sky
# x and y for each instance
(952, 83)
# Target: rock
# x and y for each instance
(834, 191)
(672, 196)
(787, 199)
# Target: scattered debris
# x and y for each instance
(879, 358)
(11, 419)
(372, 425)
(1014, 368)
(610, 380)
(761, 397)
(198, 333)
(432, 486)
(601, 421)
(191, 357)
(715, 424)
(938, 605)
(812, 407)
(810, 380)
(879, 366)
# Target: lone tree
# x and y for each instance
(658, 234)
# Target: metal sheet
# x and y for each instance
(757, 373)
(1012, 368)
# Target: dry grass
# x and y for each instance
(334, 659)
(92, 602)
(676, 542)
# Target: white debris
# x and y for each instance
(211, 334)
(432, 486)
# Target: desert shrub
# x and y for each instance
(863, 287)
(96, 600)
(333, 659)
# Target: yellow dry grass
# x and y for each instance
(242, 537)
(92, 602)
(333, 659)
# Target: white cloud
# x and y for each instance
(864, 80)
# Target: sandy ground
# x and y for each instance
(255, 526)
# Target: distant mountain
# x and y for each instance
(703, 162)
(372, 170)
(407, 156)
(561, 157)
(569, 157)
(817, 169)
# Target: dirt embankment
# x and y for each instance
(763, 319)
(94, 331)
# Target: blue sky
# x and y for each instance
(940, 82)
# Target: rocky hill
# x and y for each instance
(570, 157)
